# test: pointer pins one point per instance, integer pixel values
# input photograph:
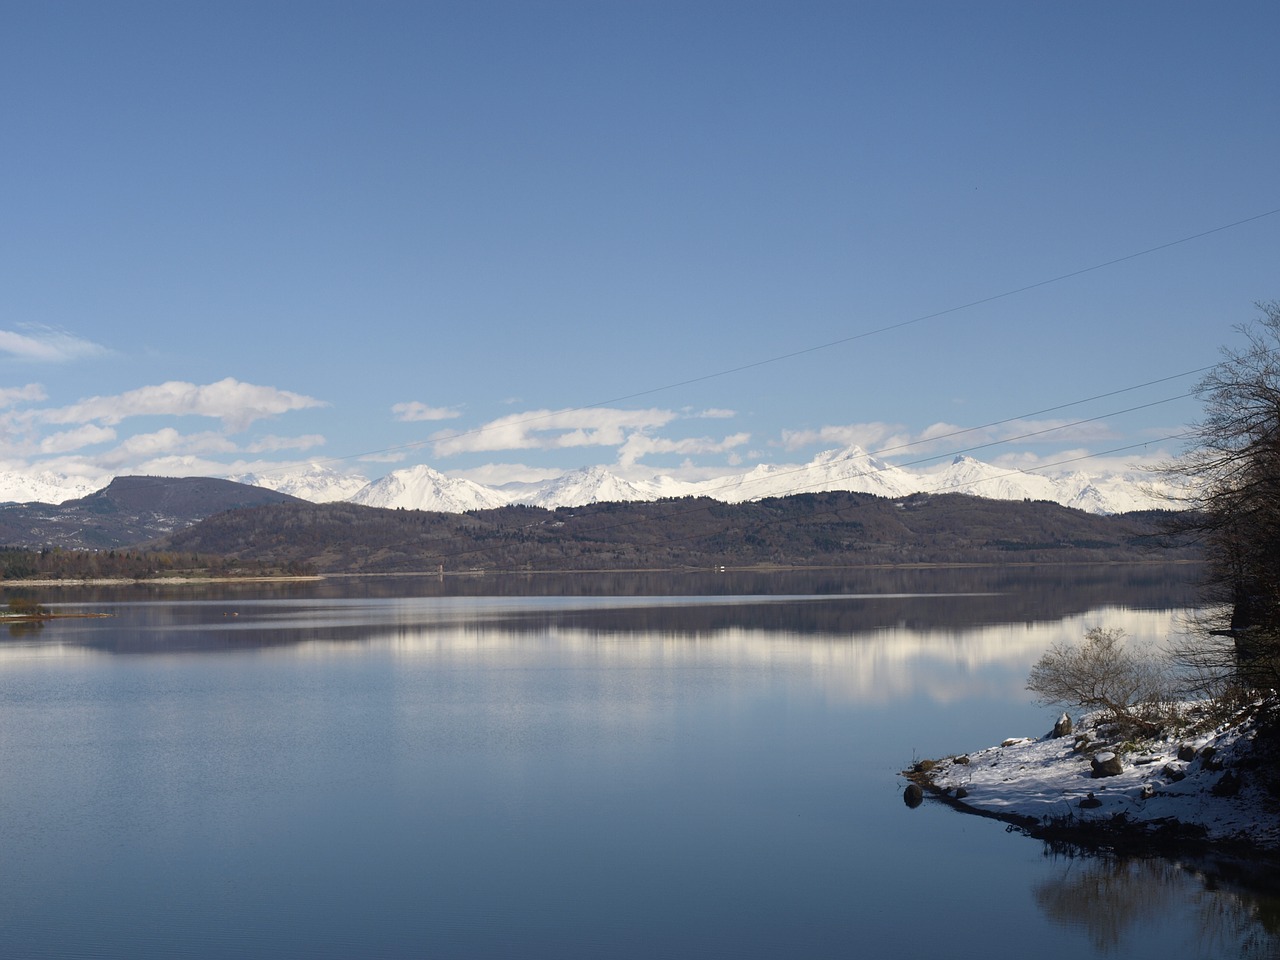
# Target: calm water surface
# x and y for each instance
(433, 769)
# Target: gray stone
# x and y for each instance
(913, 796)
(1062, 728)
(1106, 765)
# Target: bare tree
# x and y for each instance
(1103, 674)
(1230, 482)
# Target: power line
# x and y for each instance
(414, 444)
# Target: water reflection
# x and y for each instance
(662, 774)
(1227, 909)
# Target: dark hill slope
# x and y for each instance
(807, 529)
(129, 510)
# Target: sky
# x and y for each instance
(510, 239)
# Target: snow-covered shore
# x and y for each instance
(1215, 786)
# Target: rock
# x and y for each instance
(1081, 745)
(963, 761)
(1090, 802)
(1106, 765)
(1062, 728)
(1173, 774)
(1228, 785)
(961, 793)
(924, 766)
(1147, 792)
(913, 796)
(1186, 753)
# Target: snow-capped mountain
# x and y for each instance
(422, 488)
(851, 468)
(587, 485)
(967, 475)
(316, 483)
(45, 487)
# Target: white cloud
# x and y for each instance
(47, 345)
(31, 392)
(714, 413)
(885, 439)
(414, 411)
(235, 403)
(167, 442)
(865, 435)
(639, 445)
(69, 440)
(553, 430)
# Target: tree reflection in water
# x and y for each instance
(1218, 909)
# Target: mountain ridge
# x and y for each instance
(849, 468)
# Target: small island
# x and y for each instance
(26, 610)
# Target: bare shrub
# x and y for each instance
(1102, 674)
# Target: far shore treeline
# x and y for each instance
(19, 563)
(804, 530)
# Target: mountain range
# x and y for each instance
(848, 469)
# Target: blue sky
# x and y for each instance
(509, 239)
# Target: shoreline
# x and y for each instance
(1211, 794)
(166, 581)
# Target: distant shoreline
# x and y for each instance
(761, 568)
(167, 581)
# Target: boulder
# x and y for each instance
(1062, 728)
(913, 796)
(1106, 765)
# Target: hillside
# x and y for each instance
(838, 528)
(130, 510)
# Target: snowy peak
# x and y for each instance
(850, 468)
(422, 488)
(44, 487)
(967, 475)
(587, 485)
(316, 483)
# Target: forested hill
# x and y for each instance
(128, 511)
(808, 529)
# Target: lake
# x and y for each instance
(561, 767)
